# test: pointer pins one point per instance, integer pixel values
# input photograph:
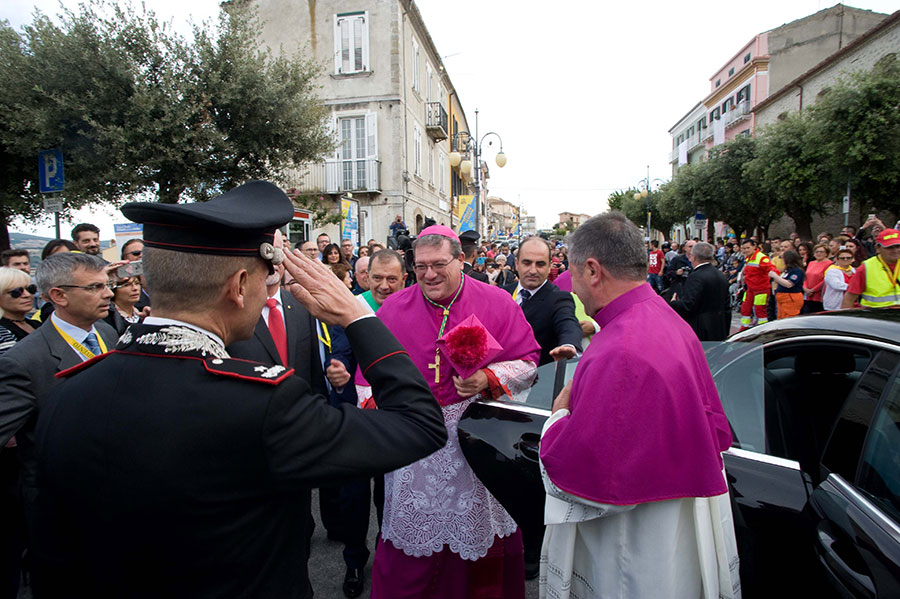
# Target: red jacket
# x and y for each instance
(756, 272)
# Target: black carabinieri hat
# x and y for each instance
(240, 222)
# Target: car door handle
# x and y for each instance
(861, 584)
(530, 446)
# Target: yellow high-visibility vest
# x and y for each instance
(882, 288)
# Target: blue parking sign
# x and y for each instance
(50, 171)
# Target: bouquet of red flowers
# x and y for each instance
(469, 347)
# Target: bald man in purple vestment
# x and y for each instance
(637, 504)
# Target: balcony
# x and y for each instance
(737, 114)
(706, 133)
(436, 121)
(692, 142)
(340, 176)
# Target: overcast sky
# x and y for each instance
(583, 97)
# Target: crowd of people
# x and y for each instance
(781, 278)
(232, 373)
(76, 306)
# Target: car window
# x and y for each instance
(541, 393)
(806, 385)
(845, 446)
(737, 370)
(880, 466)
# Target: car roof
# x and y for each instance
(878, 324)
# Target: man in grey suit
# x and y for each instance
(79, 289)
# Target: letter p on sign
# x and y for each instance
(50, 171)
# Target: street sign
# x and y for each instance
(53, 204)
(50, 171)
(846, 204)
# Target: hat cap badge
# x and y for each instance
(271, 253)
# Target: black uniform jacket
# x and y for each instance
(551, 314)
(168, 472)
(469, 270)
(705, 304)
(303, 344)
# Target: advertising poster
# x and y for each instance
(466, 213)
(350, 220)
(123, 232)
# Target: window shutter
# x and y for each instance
(333, 167)
(415, 65)
(337, 44)
(372, 135)
(365, 42)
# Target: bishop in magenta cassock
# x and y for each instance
(637, 504)
(444, 535)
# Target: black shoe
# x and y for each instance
(353, 582)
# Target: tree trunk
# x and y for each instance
(4, 232)
(802, 224)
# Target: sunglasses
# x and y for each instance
(17, 292)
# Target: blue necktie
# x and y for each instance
(525, 294)
(90, 342)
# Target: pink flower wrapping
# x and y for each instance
(469, 347)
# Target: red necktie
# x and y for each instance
(276, 328)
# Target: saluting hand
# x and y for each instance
(324, 295)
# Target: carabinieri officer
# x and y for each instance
(169, 469)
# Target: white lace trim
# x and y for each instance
(517, 376)
(438, 501)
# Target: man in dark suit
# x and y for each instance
(549, 310)
(77, 285)
(171, 469)
(299, 328)
(468, 240)
(704, 301)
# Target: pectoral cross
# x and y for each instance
(436, 366)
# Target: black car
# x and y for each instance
(814, 471)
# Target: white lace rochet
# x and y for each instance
(438, 501)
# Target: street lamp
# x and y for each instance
(645, 195)
(474, 146)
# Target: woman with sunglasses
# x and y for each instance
(16, 301)
(123, 309)
(837, 279)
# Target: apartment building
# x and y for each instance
(859, 55)
(391, 103)
(760, 68)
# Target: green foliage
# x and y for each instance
(793, 167)
(138, 110)
(623, 201)
(857, 122)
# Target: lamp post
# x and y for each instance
(475, 146)
(645, 195)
